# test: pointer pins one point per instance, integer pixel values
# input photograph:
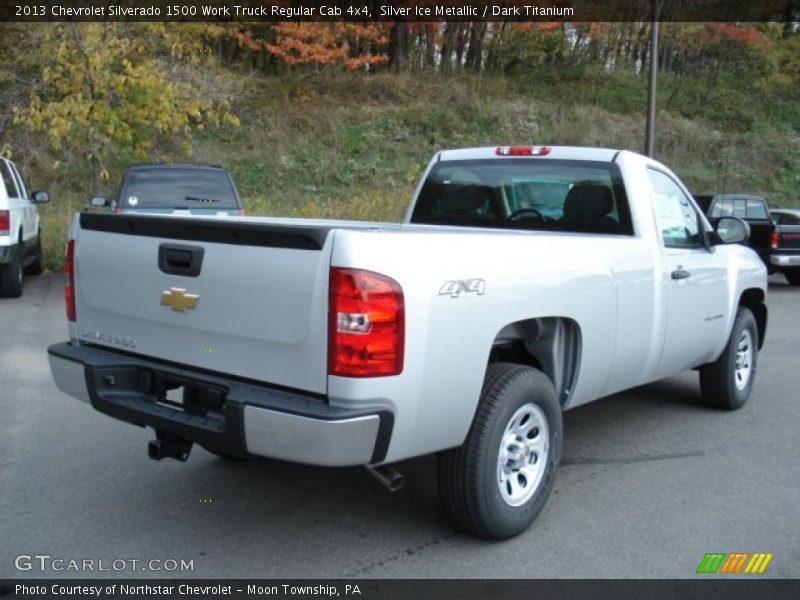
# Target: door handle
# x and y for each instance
(177, 259)
(680, 273)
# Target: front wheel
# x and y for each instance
(792, 276)
(496, 483)
(726, 383)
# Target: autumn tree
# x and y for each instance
(524, 45)
(17, 77)
(352, 45)
(106, 90)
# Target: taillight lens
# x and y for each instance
(69, 283)
(774, 239)
(5, 221)
(366, 324)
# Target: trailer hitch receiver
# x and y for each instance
(169, 445)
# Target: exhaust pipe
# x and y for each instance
(388, 476)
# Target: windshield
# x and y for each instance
(558, 195)
(178, 187)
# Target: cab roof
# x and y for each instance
(175, 165)
(555, 152)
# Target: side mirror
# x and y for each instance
(99, 201)
(40, 197)
(732, 230)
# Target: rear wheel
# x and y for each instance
(35, 268)
(793, 276)
(496, 483)
(726, 383)
(11, 275)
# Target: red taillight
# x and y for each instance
(522, 150)
(774, 239)
(5, 221)
(366, 324)
(69, 283)
(117, 210)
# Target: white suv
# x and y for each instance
(20, 230)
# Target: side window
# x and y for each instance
(23, 189)
(729, 207)
(8, 180)
(677, 219)
(756, 209)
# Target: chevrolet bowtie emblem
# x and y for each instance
(178, 300)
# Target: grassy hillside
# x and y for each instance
(352, 146)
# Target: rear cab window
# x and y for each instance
(547, 195)
(176, 187)
(744, 207)
(786, 218)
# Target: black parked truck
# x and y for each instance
(752, 209)
(785, 257)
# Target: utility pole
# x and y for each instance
(650, 126)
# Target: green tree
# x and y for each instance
(107, 90)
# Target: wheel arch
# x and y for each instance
(753, 299)
(550, 344)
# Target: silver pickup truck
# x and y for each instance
(526, 281)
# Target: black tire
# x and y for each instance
(793, 276)
(11, 275)
(468, 476)
(718, 380)
(35, 268)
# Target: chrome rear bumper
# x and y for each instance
(238, 418)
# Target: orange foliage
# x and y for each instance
(725, 32)
(353, 45)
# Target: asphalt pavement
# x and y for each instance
(650, 481)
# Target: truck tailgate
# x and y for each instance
(789, 237)
(244, 298)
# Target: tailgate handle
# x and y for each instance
(177, 259)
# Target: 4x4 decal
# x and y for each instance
(469, 286)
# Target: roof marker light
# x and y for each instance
(522, 150)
